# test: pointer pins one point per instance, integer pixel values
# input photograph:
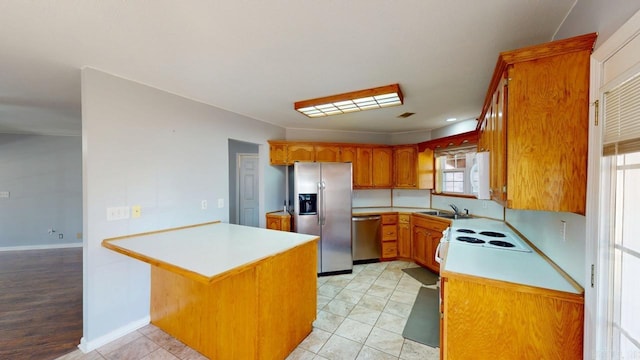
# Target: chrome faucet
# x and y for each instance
(455, 209)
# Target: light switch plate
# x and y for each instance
(220, 203)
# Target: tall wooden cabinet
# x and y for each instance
(535, 126)
(405, 161)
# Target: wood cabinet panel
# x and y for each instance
(404, 236)
(362, 169)
(426, 169)
(278, 220)
(300, 152)
(389, 250)
(506, 321)
(328, 153)
(426, 234)
(535, 126)
(348, 154)
(381, 166)
(389, 232)
(277, 153)
(405, 165)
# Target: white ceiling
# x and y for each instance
(257, 58)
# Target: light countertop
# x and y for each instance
(526, 268)
(209, 249)
(387, 209)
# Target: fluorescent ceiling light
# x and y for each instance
(451, 119)
(380, 97)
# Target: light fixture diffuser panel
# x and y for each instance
(384, 96)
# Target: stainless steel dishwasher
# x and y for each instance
(365, 237)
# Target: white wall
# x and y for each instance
(601, 16)
(43, 175)
(484, 208)
(336, 136)
(143, 146)
(544, 230)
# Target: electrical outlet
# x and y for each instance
(204, 205)
(117, 213)
(563, 230)
(485, 204)
(60, 236)
(136, 211)
(220, 203)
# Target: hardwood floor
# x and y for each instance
(40, 303)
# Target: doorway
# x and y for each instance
(244, 181)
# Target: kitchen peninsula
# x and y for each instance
(229, 291)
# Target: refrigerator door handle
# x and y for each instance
(319, 205)
(323, 186)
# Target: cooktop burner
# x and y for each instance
(470, 240)
(466, 231)
(492, 234)
(501, 243)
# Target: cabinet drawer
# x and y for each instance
(389, 250)
(389, 219)
(404, 218)
(389, 232)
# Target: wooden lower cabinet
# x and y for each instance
(489, 319)
(404, 236)
(279, 220)
(425, 236)
(389, 237)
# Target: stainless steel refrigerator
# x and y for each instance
(321, 196)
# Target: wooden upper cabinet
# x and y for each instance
(542, 158)
(330, 153)
(348, 154)
(382, 167)
(300, 152)
(426, 169)
(362, 168)
(405, 165)
(277, 153)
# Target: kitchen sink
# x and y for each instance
(445, 215)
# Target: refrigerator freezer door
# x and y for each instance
(306, 179)
(335, 210)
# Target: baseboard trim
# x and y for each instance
(88, 346)
(40, 247)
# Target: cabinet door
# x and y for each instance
(327, 153)
(300, 152)
(434, 237)
(404, 239)
(405, 165)
(498, 173)
(362, 168)
(277, 154)
(426, 169)
(348, 154)
(419, 241)
(382, 166)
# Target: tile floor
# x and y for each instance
(360, 316)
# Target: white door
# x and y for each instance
(248, 190)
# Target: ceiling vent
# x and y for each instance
(406, 115)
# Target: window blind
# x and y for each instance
(622, 118)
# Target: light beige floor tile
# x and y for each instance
(135, 350)
(188, 353)
(358, 268)
(339, 348)
(339, 282)
(314, 341)
(365, 277)
(165, 340)
(373, 302)
(412, 350)
(379, 291)
(387, 283)
(368, 353)
(354, 330)
(391, 274)
(350, 296)
(318, 357)
(399, 309)
(379, 266)
(160, 354)
(339, 307)
(301, 354)
(322, 301)
(329, 290)
(359, 286)
(79, 355)
(391, 323)
(364, 314)
(386, 341)
(327, 321)
(120, 342)
(403, 297)
(321, 280)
